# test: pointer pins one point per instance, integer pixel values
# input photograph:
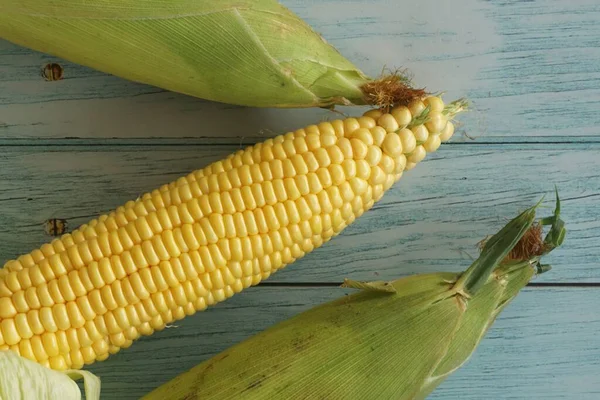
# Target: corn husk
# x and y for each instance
(23, 379)
(395, 340)
(245, 52)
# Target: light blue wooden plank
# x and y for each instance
(426, 222)
(530, 67)
(543, 346)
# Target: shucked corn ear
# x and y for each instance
(246, 52)
(392, 340)
(202, 238)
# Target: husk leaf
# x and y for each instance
(304, 356)
(23, 379)
(245, 52)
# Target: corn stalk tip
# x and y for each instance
(558, 232)
(500, 246)
(541, 268)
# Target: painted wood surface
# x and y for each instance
(426, 222)
(543, 346)
(531, 70)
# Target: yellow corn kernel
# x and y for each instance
(65, 288)
(50, 344)
(359, 148)
(447, 132)
(35, 323)
(47, 319)
(84, 337)
(9, 332)
(87, 355)
(23, 327)
(364, 135)
(26, 350)
(375, 114)
(350, 125)
(393, 144)
(62, 342)
(61, 317)
(436, 122)
(379, 135)
(77, 359)
(75, 317)
(100, 347)
(421, 133)
(58, 363)
(416, 107)
(435, 103)
(388, 122)
(7, 308)
(108, 298)
(408, 140)
(12, 282)
(367, 122)
(432, 143)
(402, 115)
(417, 155)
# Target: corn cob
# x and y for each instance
(247, 52)
(198, 240)
(392, 340)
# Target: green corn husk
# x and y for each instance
(244, 52)
(392, 340)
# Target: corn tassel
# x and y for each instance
(246, 52)
(206, 236)
(392, 340)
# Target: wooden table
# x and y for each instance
(76, 148)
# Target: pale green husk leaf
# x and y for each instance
(23, 379)
(345, 349)
(245, 52)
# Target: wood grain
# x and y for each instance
(530, 69)
(543, 346)
(426, 222)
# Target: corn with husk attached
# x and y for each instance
(393, 340)
(200, 239)
(246, 52)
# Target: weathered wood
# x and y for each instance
(530, 68)
(427, 221)
(543, 346)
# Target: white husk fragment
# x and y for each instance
(22, 379)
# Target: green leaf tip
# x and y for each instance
(495, 250)
(541, 268)
(500, 246)
(558, 232)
